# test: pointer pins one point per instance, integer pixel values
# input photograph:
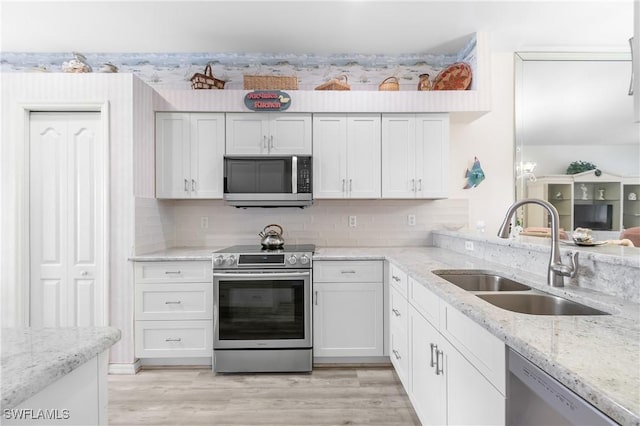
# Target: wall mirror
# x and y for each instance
(576, 107)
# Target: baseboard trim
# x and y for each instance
(125, 368)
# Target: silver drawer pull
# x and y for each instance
(395, 312)
(397, 355)
(177, 302)
(433, 346)
(396, 279)
(173, 339)
(439, 368)
(172, 272)
(348, 272)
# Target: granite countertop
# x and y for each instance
(595, 356)
(598, 357)
(34, 358)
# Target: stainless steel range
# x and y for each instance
(262, 309)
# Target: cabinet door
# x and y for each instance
(247, 134)
(207, 155)
(173, 175)
(432, 155)
(329, 155)
(363, 156)
(427, 389)
(348, 319)
(471, 399)
(290, 134)
(398, 156)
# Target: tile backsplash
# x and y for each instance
(178, 223)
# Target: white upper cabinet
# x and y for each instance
(268, 134)
(346, 155)
(189, 155)
(415, 153)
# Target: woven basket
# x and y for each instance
(270, 82)
(335, 84)
(206, 80)
(389, 83)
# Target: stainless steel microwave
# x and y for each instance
(268, 181)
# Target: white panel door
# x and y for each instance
(290, 134)
(247, 133)
(363, 156)
(66, 220)
(207, 155)
(173, 178)
(398, 156)
(432, 154)
(348, 319)
(329, 155)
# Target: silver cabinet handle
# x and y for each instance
(264, 141)
(186, 185)
(193, 185)
(396, 354)
(413, 185)
(439, 368)
(270, 143)
(173, 339)
(172, 272)
(177, 302)
(631, 88)
(350, 185)
(396, 279)
(396, 312)
(433, 346)
(419, 184)
(343, 185)
(348, 272)
(315, 298)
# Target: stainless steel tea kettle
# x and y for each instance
(272, 239)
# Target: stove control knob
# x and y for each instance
(230, 260)
(218, 261)
(292, 259)
(304, 259)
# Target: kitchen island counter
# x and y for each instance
(33, 359)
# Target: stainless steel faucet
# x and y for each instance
(556, 270)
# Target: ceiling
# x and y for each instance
(322, 27)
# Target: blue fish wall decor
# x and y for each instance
(475, 175)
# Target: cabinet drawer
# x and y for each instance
(162, 339)
(338, 271)
(481, 348)
(427, 303)
(398, 279)
(399, 310)
(170, 301)
(399, 353)
(174, 271)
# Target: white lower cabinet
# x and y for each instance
(348, 309)
(173, 309)
(453, 369)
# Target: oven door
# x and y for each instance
(262, 309)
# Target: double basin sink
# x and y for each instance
(512, 295)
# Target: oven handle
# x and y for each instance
(261, 274)
(294, 175)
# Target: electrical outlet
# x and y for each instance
(204, 222)
(468, 245)
(411, 220)
(352, 222)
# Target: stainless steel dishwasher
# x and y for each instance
(536, 398)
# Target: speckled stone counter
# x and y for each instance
(177, 253)
(34, 358)
(598, 357)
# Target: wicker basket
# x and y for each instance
(389, 83)
(206, 80)
(270, 82)
(335, 84)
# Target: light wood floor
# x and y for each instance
(328, 396)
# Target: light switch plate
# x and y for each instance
(411, 220)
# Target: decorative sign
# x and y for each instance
(267, 100)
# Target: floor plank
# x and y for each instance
(327, 396)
